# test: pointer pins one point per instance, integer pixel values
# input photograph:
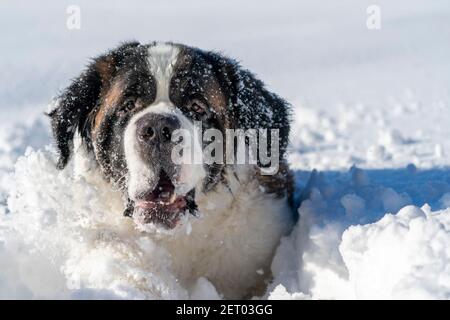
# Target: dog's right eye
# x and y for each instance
(127, 106)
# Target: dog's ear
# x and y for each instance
(254, 106)
(80, 98)
(251, 104)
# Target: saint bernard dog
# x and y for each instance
(124, 109)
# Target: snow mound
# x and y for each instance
(62, 238)
(406, 255)
(401, 256)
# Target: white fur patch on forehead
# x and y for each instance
(162, 59)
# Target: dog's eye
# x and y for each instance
(197, 107)
(127, 106)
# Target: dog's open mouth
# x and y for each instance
(162, 205)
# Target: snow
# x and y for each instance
(204, 290)
(62, 232)
(369, 147)
(401, 256)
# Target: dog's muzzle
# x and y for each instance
(159, 203)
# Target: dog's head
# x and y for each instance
(128, 103)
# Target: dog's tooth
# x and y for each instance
(173, 197)
(165, 194)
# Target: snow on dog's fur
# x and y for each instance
(220, 222)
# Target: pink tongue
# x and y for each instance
(179, 203)
(146, 204)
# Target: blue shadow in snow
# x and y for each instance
(365, 195)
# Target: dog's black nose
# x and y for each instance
(156, 128)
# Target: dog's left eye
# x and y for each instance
(127, 106)
(197, 107)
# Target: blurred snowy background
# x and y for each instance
(371, 114)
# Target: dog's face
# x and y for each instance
(129, 102)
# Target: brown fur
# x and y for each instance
(216, 98)
(110, 99)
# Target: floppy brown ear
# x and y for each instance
(252, 104)
(79, 99)
(257, 107)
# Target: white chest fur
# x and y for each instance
(231, 243)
